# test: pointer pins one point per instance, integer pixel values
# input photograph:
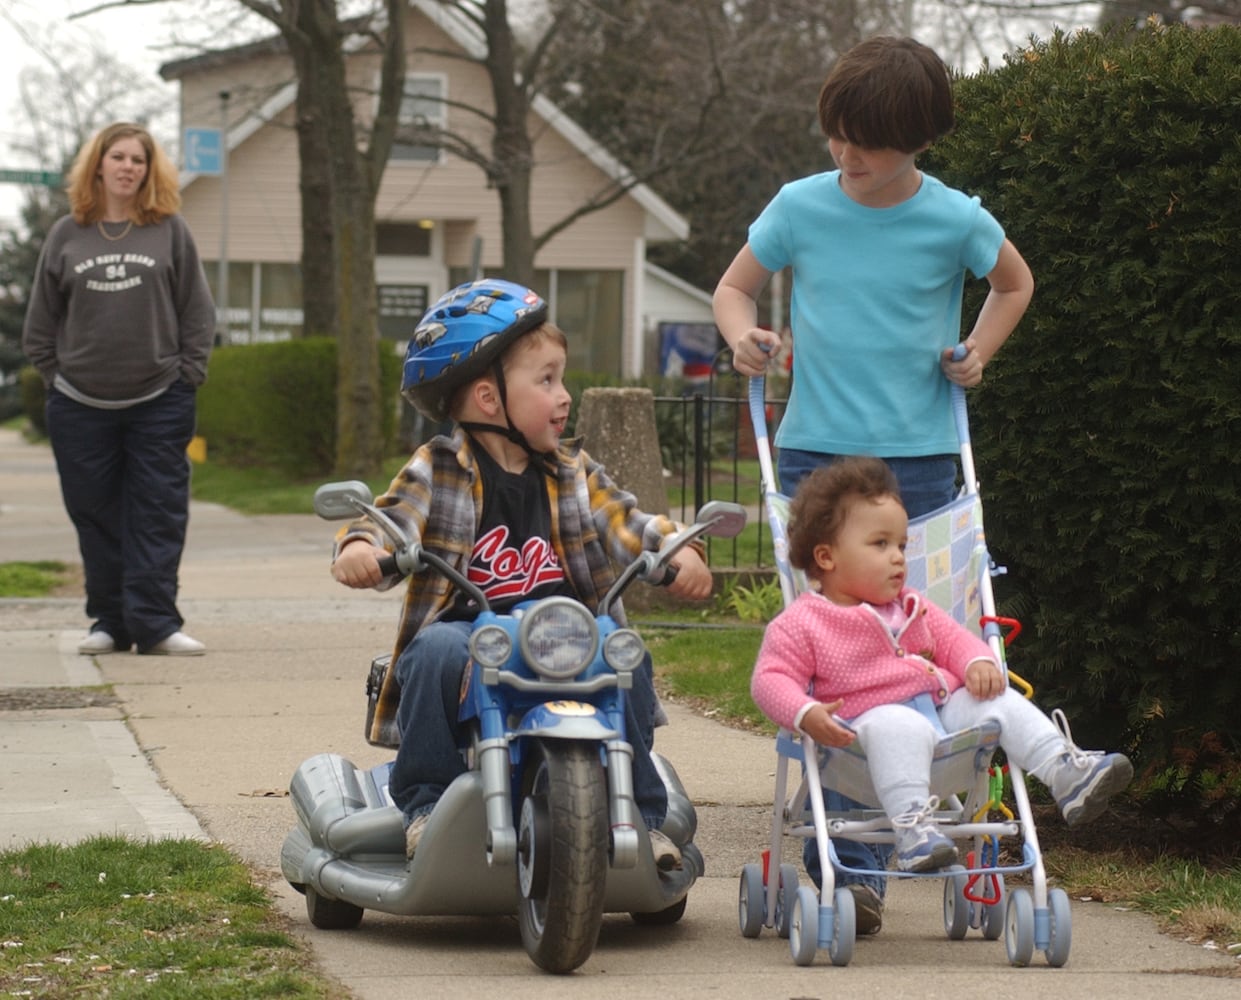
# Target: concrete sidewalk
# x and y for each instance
(205, 747)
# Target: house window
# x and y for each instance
(396, 239)
(422, 115)
(587, 305)
(264, 301)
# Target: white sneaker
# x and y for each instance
(667, 854)
(920, 847)
(177, 644)
(1082, 781)
(97, 643)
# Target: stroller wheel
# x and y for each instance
(804, 926)
(992, 917)
(785, 898)
(1019, 927)
(1060, 928)
(751, 898)
(844, 928)
(956, 906)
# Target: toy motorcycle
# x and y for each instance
(544, 821)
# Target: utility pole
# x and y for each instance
(222, 274)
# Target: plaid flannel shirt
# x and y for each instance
(437, 499)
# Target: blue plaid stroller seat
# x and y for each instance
(947, 560)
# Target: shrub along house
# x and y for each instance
(436, 219)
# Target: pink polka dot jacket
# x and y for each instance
(815, 650)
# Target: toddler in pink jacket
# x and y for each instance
(861, 656)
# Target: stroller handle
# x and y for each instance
(959, 413)
(758, 418)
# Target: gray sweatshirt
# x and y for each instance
(123, 319)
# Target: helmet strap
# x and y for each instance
(508, 430)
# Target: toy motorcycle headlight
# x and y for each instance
(491, 646)
(558, 638)
(623, 650)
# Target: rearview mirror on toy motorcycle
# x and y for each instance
(723, 519)
(337, 501)
(718, 518)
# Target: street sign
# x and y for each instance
(204, 151)
(48, 178)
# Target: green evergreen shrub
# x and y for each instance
(1108, 430)
(275, 404)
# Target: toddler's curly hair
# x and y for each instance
(824, 497)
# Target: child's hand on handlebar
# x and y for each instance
(357, 564)
(693, 580)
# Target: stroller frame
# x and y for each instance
(975, 895)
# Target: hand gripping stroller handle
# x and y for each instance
(959, 413)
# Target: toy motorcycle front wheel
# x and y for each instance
(562, 853)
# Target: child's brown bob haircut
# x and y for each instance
(824, 498)
(888, 93)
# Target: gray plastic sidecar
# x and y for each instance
(347, 853)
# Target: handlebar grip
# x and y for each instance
(670, 574)
(388, 566)
(960, 413)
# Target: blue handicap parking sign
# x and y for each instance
(204, 151)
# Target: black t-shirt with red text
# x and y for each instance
(513, 559)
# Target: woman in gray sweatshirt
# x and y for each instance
(120, 325)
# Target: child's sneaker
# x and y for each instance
(667, 854)
(920, 847)
(413, 833)
(1082, 781)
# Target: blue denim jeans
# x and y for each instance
(125, 480)
(432, 675)
(926, 483)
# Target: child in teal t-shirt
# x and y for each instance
(879, 253)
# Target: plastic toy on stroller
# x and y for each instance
(948, 561)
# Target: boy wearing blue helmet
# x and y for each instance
(522, 514)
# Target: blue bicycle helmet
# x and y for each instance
(461, 336)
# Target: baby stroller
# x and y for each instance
(947, 560)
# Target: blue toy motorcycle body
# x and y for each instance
(543, 823)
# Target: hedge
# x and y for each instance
(1108, 429)
(275, 404)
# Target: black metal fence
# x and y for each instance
(709, 452)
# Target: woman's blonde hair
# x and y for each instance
(157, 198)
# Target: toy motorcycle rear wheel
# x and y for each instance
(562, 853)
(331, 914)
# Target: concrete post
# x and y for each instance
(617, 427)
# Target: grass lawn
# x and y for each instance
(32, 579)
(165, 920)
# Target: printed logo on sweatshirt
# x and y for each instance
(119, 271)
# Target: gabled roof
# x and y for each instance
(663, 222)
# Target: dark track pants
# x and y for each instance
(125, 479)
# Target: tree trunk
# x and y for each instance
(330, 154)
(512, 150)
(318, 271)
